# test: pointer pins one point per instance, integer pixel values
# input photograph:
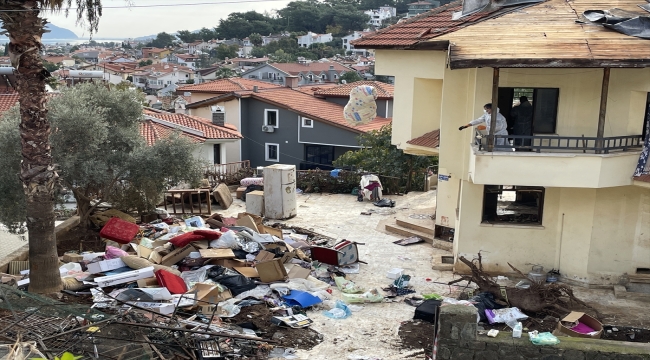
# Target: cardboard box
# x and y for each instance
(273, 231)
(143, 252)
(247, 271)
(148, 282)
(125, 277)
(173, 257)
(264, 255)
(297, 272)
(247, 221)
(240, 191)
(161, 308)
(72, 257)
(272, 270)
(582, 318)
(207, 293)
(217, 253)
(289, 251)
(105, 265)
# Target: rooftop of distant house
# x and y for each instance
(8, 98)
(223, 86)
(316, 67)
(161, 124)
(384, 91)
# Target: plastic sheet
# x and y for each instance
(545, 338)
(228, 240)
(372, 296)
(347, 286)
(340, 311)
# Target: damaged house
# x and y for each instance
(565, 194)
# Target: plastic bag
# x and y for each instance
(228, 240)
(228, 308)
(432, 296)
(234, 281)
(347, 286)
(545, 338)
(195, 276)
(114, 253)
(372, 296)
(259, 292)
(340, 311)
(508, 315)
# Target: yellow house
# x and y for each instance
(562, 196)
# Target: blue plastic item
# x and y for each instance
(301, 298)
(340, 311)
(335, 173)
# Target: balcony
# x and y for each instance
(556, 161)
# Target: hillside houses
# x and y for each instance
(307, 73)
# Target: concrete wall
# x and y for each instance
(232, 149)
(458, 339)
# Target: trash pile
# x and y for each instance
(190, 278)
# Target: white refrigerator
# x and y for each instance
(280, 191)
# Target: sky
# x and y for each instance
(125, 22)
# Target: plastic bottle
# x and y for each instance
(516, 332)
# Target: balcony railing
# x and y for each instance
(553, 143)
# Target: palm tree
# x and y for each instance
(25, 27)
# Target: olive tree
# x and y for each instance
(100, 154)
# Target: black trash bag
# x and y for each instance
(485, 301)
(240, 254)
(134, 295)
(234, 281)
(250, 188)
(385, 203)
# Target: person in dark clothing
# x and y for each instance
(522, 118)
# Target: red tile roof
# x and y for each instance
(314, 108)
(384, 91)
(430, 140)
(316, 67)
(152, 131)
(209, 130)
(422, 27)
(7, 101)
(223, 86)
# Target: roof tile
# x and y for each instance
(223, 86)
(430, 140)
(210, 131)
(7, 101)
(152, 132)
(384, 91)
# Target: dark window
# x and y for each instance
(503, 204)
(319, 155)
(272, 118)
(544, 102)
(217, 153)
(272, 152)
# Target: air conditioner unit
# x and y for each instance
(268, 129)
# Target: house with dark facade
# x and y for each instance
(302, 126)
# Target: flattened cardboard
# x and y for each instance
(202, 244)
(217, 253)
(148, 282)
(247, 221)
(582, 318)
(272, 270)
(273, 231)
(289, 251)
(228, 263)
(144, 252)
(247, 271)
(297, 272)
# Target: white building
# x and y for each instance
(157, 77)
(312, 38)
(378, 16)
(186, 60)
(354, 36)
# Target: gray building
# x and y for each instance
(292, 126)
(307, 73)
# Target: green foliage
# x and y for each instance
(350, 77)
(225, 73)
(279, 56)
(162, 40)
(256, 39)
(227, 51)
(378, 155)
(187, 36)
(145, 62)
(51, 67)
(99, 153)
(189, 81)
(241, 25)
(74, 48)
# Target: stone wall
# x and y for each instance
(458, 339)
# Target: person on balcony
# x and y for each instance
(522, 118)
(500, 129)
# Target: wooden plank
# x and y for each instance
(217, 253)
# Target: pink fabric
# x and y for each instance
(114, 253)
(582, 328)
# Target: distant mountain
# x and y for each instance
(55, 33)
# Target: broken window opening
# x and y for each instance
(517, 205)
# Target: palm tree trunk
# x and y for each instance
(25, 30)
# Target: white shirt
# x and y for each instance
(501, 127)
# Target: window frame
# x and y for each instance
(277, 117)
(266, 152)
(304, 123)
(515, 188)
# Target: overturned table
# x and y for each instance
(181, 195)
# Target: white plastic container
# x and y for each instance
(395, 273)
(516, 332)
